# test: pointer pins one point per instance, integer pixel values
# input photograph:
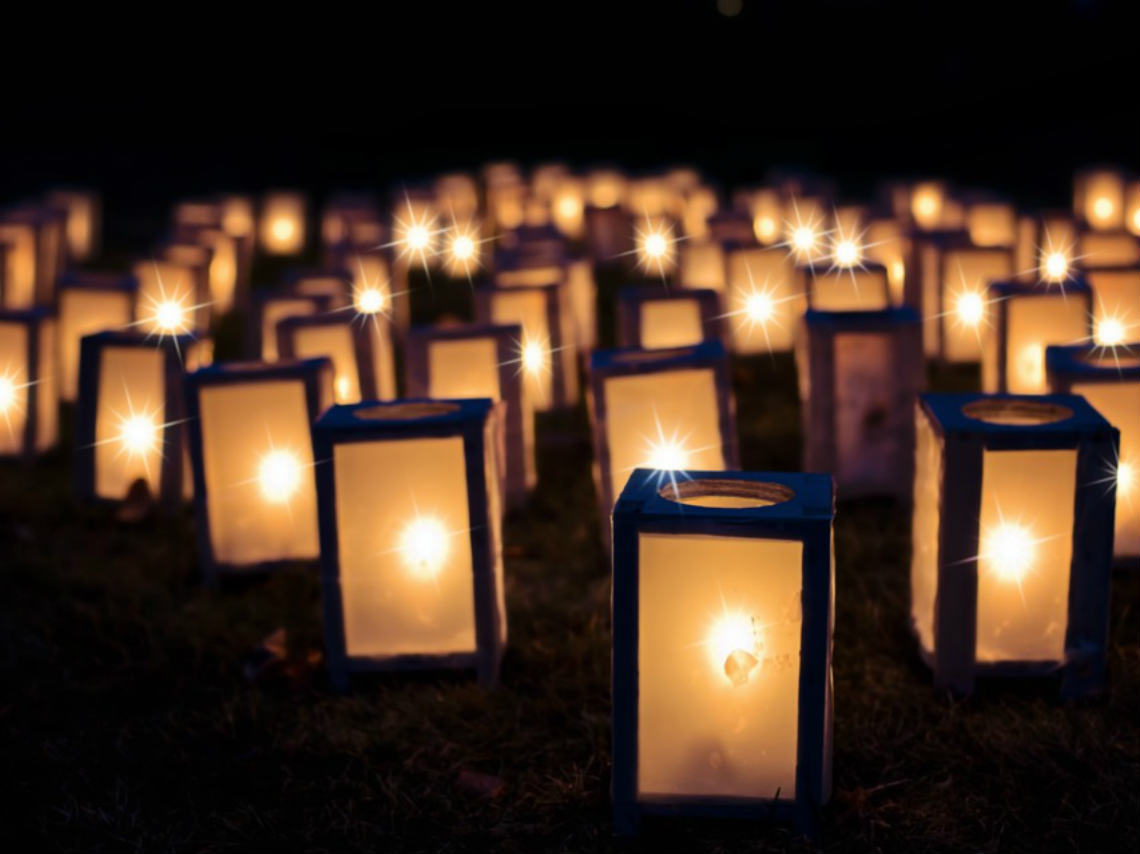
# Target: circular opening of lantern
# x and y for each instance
(726, 494)
(407, 411)
(1026, 413)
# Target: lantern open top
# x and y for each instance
(372, 417)
(242, 371)
(634, 359)
(462, 331)
(1095, 362)
(1075, 285)
(98, 280)
(874, 319)
(728, 495)
(1021, 421)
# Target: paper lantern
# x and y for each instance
(333, 285)
(608, 234)
(1046, 246)
(656, 318)
(582, 290)
(1012, 539)
(34, 258)
(1107, 248)
(931, 207)
(546, 353)
(1027, 318)
(372, 291)
(701, 264)
(568, 207)
(1132, 207)
(886, 243)
(173, 295)
(476, 361)
(1109, 379)
(765, 207)
(269, 309)
(859, 375)
(856, 286)
(411, 573)
(669, 410)
(723, 606)
(255, 497)
(762, 302)
(949, 286)
(457, 194)
(991, 222)
(350, 220)
(360, 349)
(29, 399)
(1116, 304)
(130, 422)
(84, 220)
(1098, 199)
(224, 266)
(89, 303)
(282, 223)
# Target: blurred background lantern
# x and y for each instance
(885, 242)
(667, 410)
(333, 285)
(1012, 539)
(931, 207)
(722, 616)
(412, 570)
(255, 496)
(1132, 207)
(360, 349)
(34, 257)
(172, 296)
(130, 419)
(859, 375)
(29, 398)
(1027, 318)
(457, 195)
(84, 221)
(1107, 248)
(991, 221)
(700, 264)
(281, 224)
(853, 286)
(582, 291)
(1109, 379)
(269, 309)
(224, 267)
(655, 318)
(372, 289)
(762, 303)
(607, 228)
(1099, 198)
(89, 302)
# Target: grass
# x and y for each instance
(127, 721)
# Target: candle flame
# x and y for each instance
(1110, 331)
(533, 357)
(370, 300)
(138, 434)
(1125, 479)
(7, 395)
(283, 229)
(424, 546)
(734, 644)
(971, 308)
(1103, 208)
(279, 475)
(1008, 551)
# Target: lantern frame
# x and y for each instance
(255, 322)
(37, 322)
(470, 419)
(111, 283)
(361, 335)
(806, 516)
(631, 299)
(964, 441)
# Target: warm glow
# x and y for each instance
(138, 434)
(971, 308)
(758, 307)
(734, 647)
(343, 388)
(846, 253)
(417, 237)
(804, 238)
(462, 247)
(1008, 551)
(569, 207)
(169, 316)
(1136, 220)
(667, 455)
(423, 546)
(1056, 266)
(7, 394)
(371, 300)
(279, 474)
(533, 357)
(1103, 207)
(282, 229)
(655, 245)
(1110, 331)
(765, 228)
(1125, 479)
(1031, 365)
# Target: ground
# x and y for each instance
(130, 718)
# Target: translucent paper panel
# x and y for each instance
(282, 225)
(864, 389)
(13, 387)
(965, 277)
(405, 548)
(702, 265)
(258, 458)
(1101, 197)
(20, 265)
(719, 627)
(1120, 404)
(84, 312)
(383, 359)
(527, 308)
(223, 272)
(129, 415)
(924, 532)
(466, 367)
(762, 303)
(992, 224)
(670, 323)
(1026, 547)
(1033, 324)
(849, 290)
(662, 420)
(47, 397)
(273, 311)
(1116, 305)
(334, 340)
(1108, 249)
(163, 284)
(583, 294)
(886, 245)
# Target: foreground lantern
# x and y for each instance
(254, 494)
(668, 410)
(89, 303)
(654, 318)
(762, 302)
(360, 350)
(130, 423)
(722, 616)
(1116, 304)
(271, 308)
(473, 361)
(29, 400)
(282, 223)
(1012, 539)
(859, 374)
(1109, 379)
(411, 548)
(1028, 318)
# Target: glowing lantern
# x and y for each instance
(130, 423)
(930, 206)
(88, 303)
(991, 222)
(372, 288)
(35, 254)
(850, 286)
(197, 214)
(282, 223)
(568, 207)
(1025, 320)
(859, 375)
(411, 547)
(506, 194)
(473, 361)
(457, 195)
(255, 497)
(886, 244)
(582, 292)
(29, 400)
(762, 303)
(360, 349)
(547, 356)
(701, 265)
(172, 296)
(765, 208)
(654, 318)
(1132, 208)
(698, 211)
(607, 227)
(1107, 249)
(83, 224)
(350, 221)
(1116, 304)
(668, 410)
(722, 613)
(1099, 199)
(1012, 537)
(224, 264)
(335, 286)
(271, 308)
(655, 245)
(1109, 379)
(1046, 245)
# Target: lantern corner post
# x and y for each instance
(624, 623)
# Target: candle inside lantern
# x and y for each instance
(283, 223)
(1116, 305)
(129, 418)
(762, 303)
